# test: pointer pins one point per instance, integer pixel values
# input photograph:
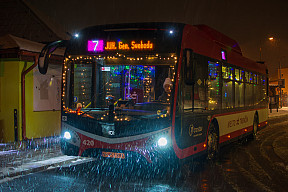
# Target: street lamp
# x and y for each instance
(260, 49)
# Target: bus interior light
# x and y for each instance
(162, 142)
(67, 135)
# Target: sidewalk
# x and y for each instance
(26, 157)
(20, 158)
(282, 111)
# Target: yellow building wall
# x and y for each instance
(10, 91)
(38, 124)
(43, 123)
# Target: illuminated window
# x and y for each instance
(246, 76)
(251, 77)
(255, 79)
(227, 72)
(213, 85)
(239, 94)
(242, 77)
(227, 94)
(237, 74)
(249, 94)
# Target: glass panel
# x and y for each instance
(200, 101)
(242, 78)
(199, 94)
(239, 94)
(82, 83)
(213, 85)
(227, 72)
(227, 95)
(264, 87)
(251, 77)
(255, 79)
(237, 74)
(95, 83)
(248, 94)
(247, 76)
(188, 97)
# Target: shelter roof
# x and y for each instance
(11, 41)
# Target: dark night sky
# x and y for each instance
(250, 22)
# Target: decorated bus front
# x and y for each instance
(117, 92)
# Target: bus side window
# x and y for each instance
(248, 89)
(227, 88)
(239, 88)
(213, 85)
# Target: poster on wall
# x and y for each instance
(47, 89)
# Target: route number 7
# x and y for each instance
(96, 44)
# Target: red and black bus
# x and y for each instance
(156, 91)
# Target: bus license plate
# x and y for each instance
(113, 155)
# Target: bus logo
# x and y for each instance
(195, 131)
(64, 118)
(108, 129)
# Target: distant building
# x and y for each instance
(275, 85)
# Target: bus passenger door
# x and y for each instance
(192, 117)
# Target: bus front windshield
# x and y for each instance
(135, 83)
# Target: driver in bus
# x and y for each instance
(167, 85)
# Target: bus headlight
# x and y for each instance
(67, 135)
(162, 142)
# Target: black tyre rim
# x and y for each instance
(212, 143)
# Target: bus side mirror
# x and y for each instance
(46, 52)
(189, 69)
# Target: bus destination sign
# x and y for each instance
(100, 45)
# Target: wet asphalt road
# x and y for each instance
(253, 165)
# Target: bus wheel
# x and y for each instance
(212, 143)
(255, 127)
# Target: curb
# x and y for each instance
(34, 168)
(44, 142)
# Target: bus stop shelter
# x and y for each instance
(29, 101)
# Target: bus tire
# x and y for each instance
(212, 142)
(255, 127)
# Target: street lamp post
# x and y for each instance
(280, 84)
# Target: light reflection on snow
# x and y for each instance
(8, 152)
(161, 187)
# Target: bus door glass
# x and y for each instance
(192, 118)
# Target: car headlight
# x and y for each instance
(67, 135)
(162, 142)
